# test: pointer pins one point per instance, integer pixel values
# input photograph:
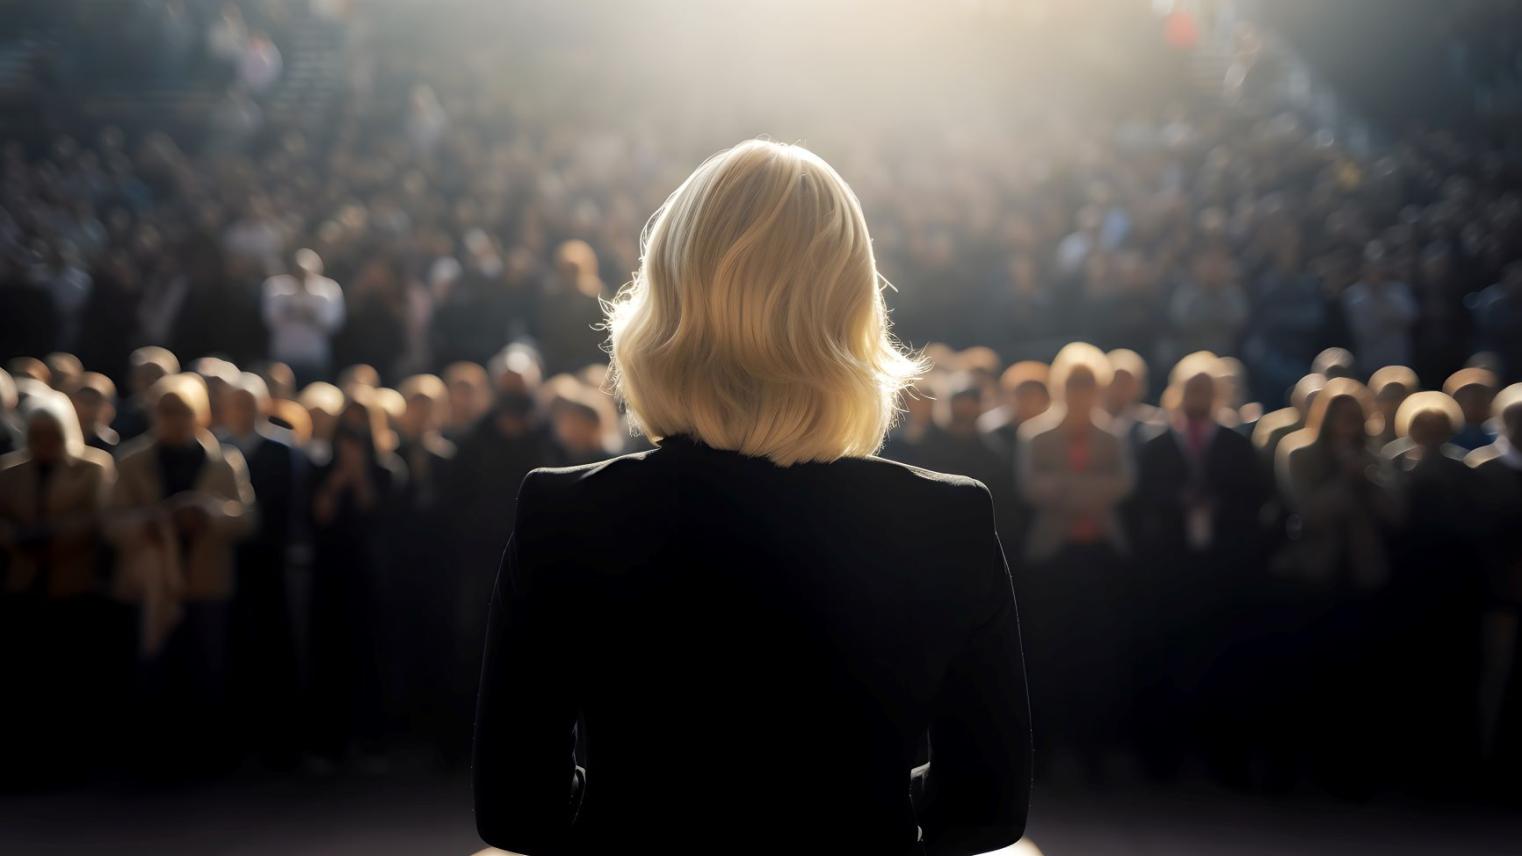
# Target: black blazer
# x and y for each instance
(754, 653)
(1230, 476)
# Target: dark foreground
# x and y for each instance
(426, 814)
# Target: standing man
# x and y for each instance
(303, 312)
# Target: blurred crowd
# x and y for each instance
(1282, 559)
(259, 572)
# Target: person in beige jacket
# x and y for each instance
(1074, 471)
(54, 641)
(52, 495)
(182, 502)
(1072, 468)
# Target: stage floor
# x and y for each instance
(429, 815)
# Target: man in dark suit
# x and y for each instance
(1200, 491)
(264, 679)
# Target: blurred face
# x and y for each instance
(464, 403)
(1198, 397)
(1430, 430)
(1031, 400)
(91, 407)
(1082, 391)
(355, 419)
(240, 412)
(576, 431)
(1345, 422)
(174, 423)
(418, 417)
(1124, 391)
(511, 381)
(966, 408)
(44, 440)
(1475, 401)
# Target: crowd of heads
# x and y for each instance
(405, 288)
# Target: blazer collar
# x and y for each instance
(681, 440)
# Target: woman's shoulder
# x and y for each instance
(628, 471)
(917, 477)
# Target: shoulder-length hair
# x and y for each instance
(364, 418)
(190, 389)
(756, 320)
(1337, 391)
(55, 407)
(1418, 404)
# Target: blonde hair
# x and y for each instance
(427, 386)
(756, 320)
(321, 395)
(190, 389)
(1193, 364)
(294, 417)
(389, 400)
(1464, 378)
(1077, 355)
(1337, 389)
(1022, 373)
(53, 405)
(1128, 361)
(1505, 400)
(1419, 403)
(1401, 376)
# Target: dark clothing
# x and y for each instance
(420, 609)
(349, 578)
(756, 652)
(978, 456)
(1199, 595)
(131, 420)
(179, 466)
(263, 647)
(565, 329)
(488, 466)
(480, 314)
(1227, 480)
(1437, 599)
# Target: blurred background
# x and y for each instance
(293, 293)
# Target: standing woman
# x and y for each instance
(354, 500)
(1343, 501)
(757, 621)
(182, 502)
(53, 493)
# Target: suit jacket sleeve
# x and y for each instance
(978, 786)
(524, 759)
